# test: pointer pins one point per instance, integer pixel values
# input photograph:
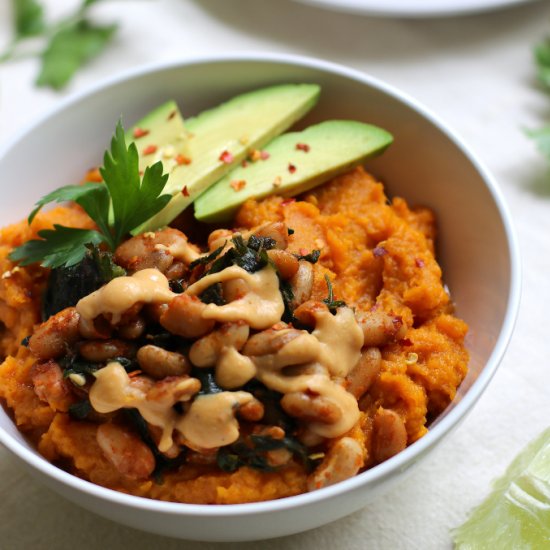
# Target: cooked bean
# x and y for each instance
(175, 271)
(49, 384)
(218, 237)
(99, 351)
(184, 317)
(312, 408)
(253, 411)
(389, 435)
(234, 289)
(206, 351)
(154, 311)
(277, 231)
(285, 262)
(361, 378)
(132, 329)
(270, 341)
(54, 338)
(94, 329)
(160, 363)
(125, 451)
(173, 389)
(380, 328)
(302, 283)
(306, 313)
(342, 461)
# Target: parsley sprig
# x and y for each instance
(68, 44)
(133, 201)
(541, 136)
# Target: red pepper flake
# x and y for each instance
(264, 155)
(405, 342)
(286, 202)
(379, 251)
(226, 157)
(304, 251)
(291, 168)
(134, 373)
(419, 262)
(238, 185)
(149, 150)
(244, 163)
(172, 115)
(185, 191)
(182, 159)
(140, 132)
(303, 147)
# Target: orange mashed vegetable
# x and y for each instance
(377, 254)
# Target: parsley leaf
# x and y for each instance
(28, 17)
(69, 49)
(133, 203)
(58, 246)
(542, 60)
(541, 138)
(331, 303)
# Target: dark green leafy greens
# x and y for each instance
(134, 200)
(80, 410)
(67, 44)
(312, 257)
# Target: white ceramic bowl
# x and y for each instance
(427, 165)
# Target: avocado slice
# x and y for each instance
(222, 137)
(161, 135)
(297, 162)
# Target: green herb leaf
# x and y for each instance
(312, 257)
(80, 410)
(28, 17)
(541, 138)
(331, 303)
(133, 202)
(58, 246)
(542, 59)
(69, 49)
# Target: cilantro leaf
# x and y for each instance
(69, 49)
(56, 247)
(133, 202)
(541, 138)
(542, 60)
(28, 18)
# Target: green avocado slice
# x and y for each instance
(297, 161)
(222, 137)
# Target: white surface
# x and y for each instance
(476, 73)
(472, 221)
(414, 8)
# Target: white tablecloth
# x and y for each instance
(477, 74)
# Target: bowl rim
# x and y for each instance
(375, 475)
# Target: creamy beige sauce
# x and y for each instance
(147, 286)
(182, 250)
(211, 422)
(261, 307)
(233, 370)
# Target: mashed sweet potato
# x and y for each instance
(377, 254)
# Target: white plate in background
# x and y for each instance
(413, 8)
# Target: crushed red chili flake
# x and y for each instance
(149, 150)
(288, 201)
(134, 373)
(303, 147)
(172, 115)
(379, 251)
(405, 342)
(226, 157)
(238, 185)
(182, 159)
(304, 251)
(264, 155)
(140, 132)
(185, 191)
(291, 168)
(419, 262)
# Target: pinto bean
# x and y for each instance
(380, 328)
(312, 408)
(342, 461)
(277, 231)
(184, 317)
(302, 283)
(160, 363)
(125, 451)
(206, 351)
(50, 386)
(361, 378)
(285, 262)
(53, 338)
(270, 341)
(389, 435)
(99, 351)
